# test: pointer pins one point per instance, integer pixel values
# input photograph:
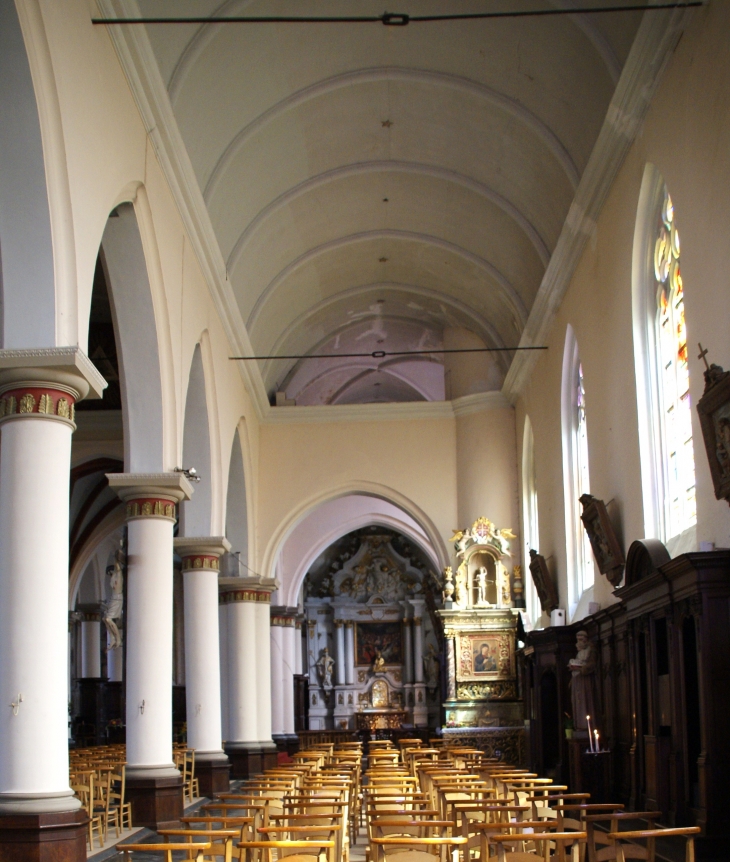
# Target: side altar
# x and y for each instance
(481, 604)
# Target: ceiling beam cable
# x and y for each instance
(380, 354)
(397, 19)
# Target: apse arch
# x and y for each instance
(438, 550)
(319, 542)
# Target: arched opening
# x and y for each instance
(237, 512)
(195, 514)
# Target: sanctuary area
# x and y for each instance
(364, 430)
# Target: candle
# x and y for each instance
(598, 747)
(590, 733)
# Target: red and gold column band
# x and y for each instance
(38, 400)
(201, 561)
(286, 622)
(231, 596)
(151, 507)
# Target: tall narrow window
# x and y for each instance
(662, 370)
(576, 481)
(531, 532)
(679, 462)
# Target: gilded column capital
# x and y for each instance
(201, 553)
(151, 495)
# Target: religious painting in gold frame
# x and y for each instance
(485, 656)
(378, 638)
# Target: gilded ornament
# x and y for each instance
(27, 403)
(198, 563)
(170, 510)
(73, 413)
(45, 405)
(146, 509)
(62, 408)
(10, 405)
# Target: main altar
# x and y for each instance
(371, 638)
(481, 602)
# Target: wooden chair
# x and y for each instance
(566, 846)
(84, 789)
(626, 847)
(191, 785)
(119, 811)
(167, 849)
(408, 849)
(292, 850)
(601, 847)
(221, 841)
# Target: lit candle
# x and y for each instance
(598, 747)
(590, 733)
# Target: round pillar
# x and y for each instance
(200, 570)
(262, 615)
(153, 781)
(408, 652)
(340, 657)
(90, 645)
(277, 677)
(223, 657)
(114, 662)
(289, 658)
(349, 653)
(38, 391)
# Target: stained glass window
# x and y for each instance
(673, 373)
(585, 554)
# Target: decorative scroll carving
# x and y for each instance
(497, 690)
(547, 590)
(606, 547)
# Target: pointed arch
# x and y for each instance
(195, 514)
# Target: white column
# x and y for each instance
(340, 657)
(298, 661)
(262, 615)
(114, 662)
(407, 652)
(151, 507)
(289, 657)
(35, 458)
(417, 650)
(223, 657)
(277, 677)
(90, 645)
(242, 670)
(349, 653)
(200, 567)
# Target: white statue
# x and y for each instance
(325, 665)
(582, 669)
(112, 609)
(482, 586)
(431, 667)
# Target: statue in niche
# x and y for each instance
(505, 588)
(378, 662)
(582, 668)
(460, 596)
(431, 667)
(482, 586)
(112, 608)
(325, 665)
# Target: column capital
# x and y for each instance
(150, 495)
(201, 553)
(68, 366)
(245, 590)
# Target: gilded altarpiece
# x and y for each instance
(479, 615)
(369, 608)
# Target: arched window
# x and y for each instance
(531, 532)
(662, 369)
(576, 480)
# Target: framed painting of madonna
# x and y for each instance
(484, 656)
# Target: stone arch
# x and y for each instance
(147, 397)
(27, 264)
(437, 550)
(238, 504)
(195, 514)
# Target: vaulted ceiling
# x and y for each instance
(370, 186)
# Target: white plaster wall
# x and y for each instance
(686, 134)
